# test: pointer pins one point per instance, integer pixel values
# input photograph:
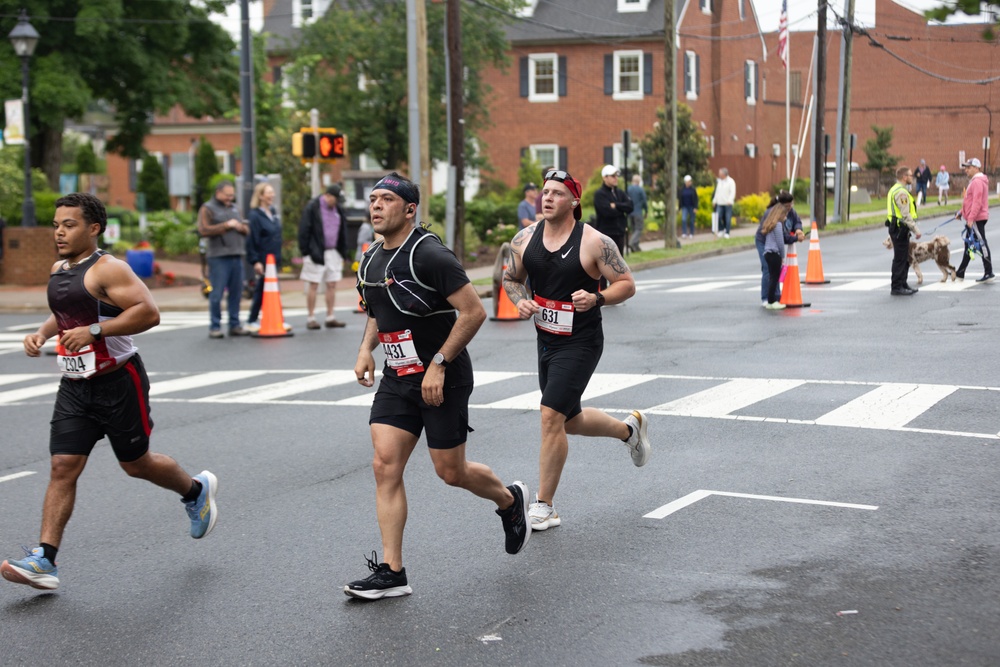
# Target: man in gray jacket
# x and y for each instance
(219, 221)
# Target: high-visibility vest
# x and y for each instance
(892, 211)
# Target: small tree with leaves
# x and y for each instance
(692, 152)
(153, 185)
(877, 150)
(86, 159)
(205, 167)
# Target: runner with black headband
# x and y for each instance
(412, 286)
(97, 305)
(565, 260)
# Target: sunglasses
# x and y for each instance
(557, 175)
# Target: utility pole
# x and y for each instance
(670, 131)
(841, 188)
(425, 145)
(314, 184)
(246, 107)
(819, 158)
(456, 123)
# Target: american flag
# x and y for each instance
(783, 34)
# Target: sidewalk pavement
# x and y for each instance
(19, 299)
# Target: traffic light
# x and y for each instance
(332, 145)
(304, 145)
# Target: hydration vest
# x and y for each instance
(407, 292)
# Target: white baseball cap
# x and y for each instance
(688, 178)
(610, 170)
(974, 162)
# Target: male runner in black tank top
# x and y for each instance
(97, 304)
(565, 260)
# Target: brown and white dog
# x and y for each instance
(921, 251)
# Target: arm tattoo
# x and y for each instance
(612, 258)
(516, 291)
(522, 237)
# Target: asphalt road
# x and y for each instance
(835, 458)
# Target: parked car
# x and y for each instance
(831, 168)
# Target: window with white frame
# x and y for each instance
(750, 81)
(543, 77)
(628, 75)
(634, 159)
(529, 9)
(706, 6)
(691, 73)
(546, 155)
(305, 12)
(222, 159)
(626, 6)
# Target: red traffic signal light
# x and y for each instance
(331, 145)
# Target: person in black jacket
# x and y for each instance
(323, 244)
(264, 239)
(612, 206)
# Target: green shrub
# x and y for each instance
(703, 215)
(172, 232)
(801, 193)
(752, 207)
(45, 207)
(485, 213)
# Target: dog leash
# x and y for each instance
(941, 225)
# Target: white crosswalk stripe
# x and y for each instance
(890, 406)
(839, 282)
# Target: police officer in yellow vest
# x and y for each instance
(901, 218)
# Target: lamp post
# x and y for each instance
(24, 37)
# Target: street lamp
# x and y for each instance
(24, 37)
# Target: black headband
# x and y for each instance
(405, 189)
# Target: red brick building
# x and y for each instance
(580, 78)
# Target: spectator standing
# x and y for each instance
(943, 183)
(771, 230)
(687, 199)
(612, 206)
(923, 178)
(901, 217)
(219, 222)
(423, 318)
(526, 211)
(264, 239)
(723, 200)
(97, 305)
(323, 244)
(976, 211)
(640, 209)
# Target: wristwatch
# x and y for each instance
(600, 300)
(95, 331)
(439, 360)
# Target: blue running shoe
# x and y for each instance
(203, 511)
(34, 570)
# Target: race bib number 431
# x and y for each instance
(554, 316)
(400, 352)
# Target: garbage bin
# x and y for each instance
(141, 262)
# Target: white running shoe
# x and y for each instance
(638, 443)
(542, 516)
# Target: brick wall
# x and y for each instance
(28, 255)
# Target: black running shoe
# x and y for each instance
(515, 519)
(381, 583)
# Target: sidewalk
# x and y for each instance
(18, 299)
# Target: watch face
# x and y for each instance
(95, 330)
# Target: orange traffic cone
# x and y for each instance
(814, 262)
(791, 291)
(272, 321)
(503, 308)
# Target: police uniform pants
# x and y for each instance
(900, 257)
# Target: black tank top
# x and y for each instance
(74, 306)
(556, 275)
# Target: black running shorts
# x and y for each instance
(115, 405)
(564, 373)
(399, 403)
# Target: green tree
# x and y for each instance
(276, 158)
(692, 152)
(135, 57)
(877, 150)
(351, 65)
(970, 7)
(86, 159)
(12, 184)
(205, 167)
(153, 184)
